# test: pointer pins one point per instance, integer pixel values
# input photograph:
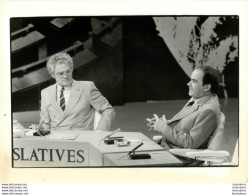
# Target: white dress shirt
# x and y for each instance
(67, 93)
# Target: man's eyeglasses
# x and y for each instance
(61, 74)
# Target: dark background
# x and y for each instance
(138, 68)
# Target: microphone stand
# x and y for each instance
(134, 156)
(40, 132)
(110, 140)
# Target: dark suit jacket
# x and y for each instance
(192, 126)
(84, 99)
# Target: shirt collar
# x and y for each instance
(66, 88)
(204, 99)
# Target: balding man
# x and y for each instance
(194, 124)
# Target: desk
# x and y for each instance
(98, 151)
(158, 158)
(95, 154)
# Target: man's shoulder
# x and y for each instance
(48, 89)
(212, 104)
(84, 84)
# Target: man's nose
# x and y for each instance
(65, 75)
(189, 83)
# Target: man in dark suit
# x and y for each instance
(70, 104)
(194, 124)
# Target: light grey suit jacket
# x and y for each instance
(84, 99)
(192, 126)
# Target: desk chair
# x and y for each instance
(211, 155)
(97, 119)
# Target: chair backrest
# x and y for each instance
(235, 155)
(217, 136)
(97, 119)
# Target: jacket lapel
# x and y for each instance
(186, 111)
(54, 100)
(174, 117)
(75, 94)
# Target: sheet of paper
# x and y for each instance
(63, 136)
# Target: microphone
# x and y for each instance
(108, 136)
(40, 125)
(132, 151)
(137, 156)
(40, 132)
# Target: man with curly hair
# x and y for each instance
(71, 104)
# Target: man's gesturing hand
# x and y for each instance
(156, 123)
(160, 123)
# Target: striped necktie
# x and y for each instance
(62, 99)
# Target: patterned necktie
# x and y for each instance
(62, 99)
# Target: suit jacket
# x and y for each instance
(192, 126)
(84, 99)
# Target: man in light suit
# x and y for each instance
(70, 104)
(194, 124)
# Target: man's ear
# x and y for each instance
(53, 75)
(207, 87)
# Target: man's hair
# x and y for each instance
(211, 76)
(59, 58)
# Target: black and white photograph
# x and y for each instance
(123, 97)
(125, 91)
